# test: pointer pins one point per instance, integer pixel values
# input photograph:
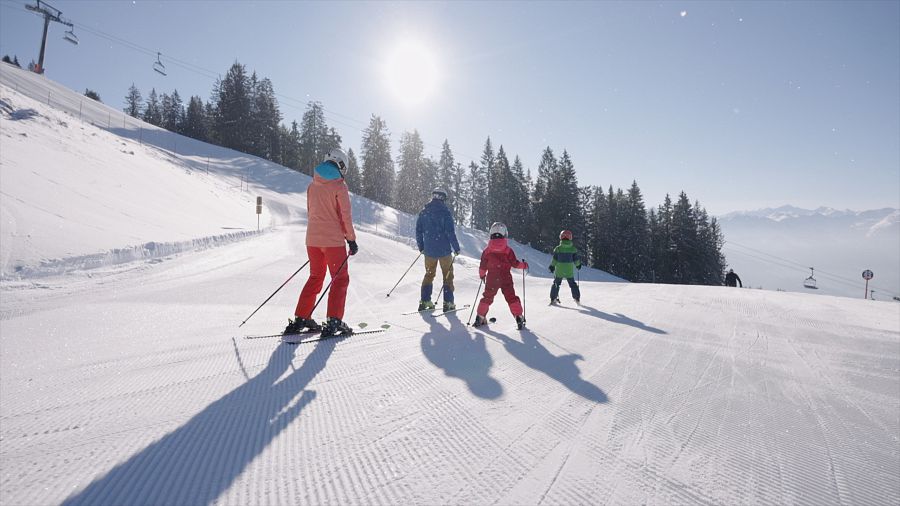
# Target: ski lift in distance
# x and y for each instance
(71, 37)
(158, 65)
(810, 282)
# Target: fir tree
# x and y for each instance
(133, 102)
(447, 168)
(544, 215)
(520, 218)
(195, 122)
(410, 168)
(584, 235)
(313, 137)
(476, 185)
(684, 240)
(172, 112)
(461, 198)
(635, 240)
(267, 118)
(564, 199)
(233, 106)
(290, 147)
(481, 180)
(500, 192)
(152, 111)
(599, 242)
(377, 165)
(352, 176)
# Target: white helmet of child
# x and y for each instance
(439, 194)
(339, 158)
(499, 228)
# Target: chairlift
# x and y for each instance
(71, 37)
(810, 282)
(158, 65)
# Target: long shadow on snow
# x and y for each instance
(561, 368)
(198, 461)
(460, 355)
(616, 318)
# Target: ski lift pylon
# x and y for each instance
(70, 36)
(810, 282)
(158, 65)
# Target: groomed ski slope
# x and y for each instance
(130, 383)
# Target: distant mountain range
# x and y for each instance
(774, 248)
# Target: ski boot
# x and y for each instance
(334, 326)
(426, 305)
(449, 306)
(554, 302)
(479, 321)
(298, 325)
(520, 322)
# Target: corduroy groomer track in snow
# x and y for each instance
(126, 380)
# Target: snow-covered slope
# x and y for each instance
(131, 383)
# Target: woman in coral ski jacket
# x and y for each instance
(330, 224)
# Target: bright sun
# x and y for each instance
(411, 72)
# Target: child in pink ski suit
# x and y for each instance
(496, 261)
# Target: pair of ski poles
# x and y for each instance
(444, 274)
(336, 274)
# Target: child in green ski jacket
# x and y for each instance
(565, 261)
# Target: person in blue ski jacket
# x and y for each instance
(436, 239)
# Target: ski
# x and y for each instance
(300, 335)
(302, 338)
(442, 313)
(304, 333)
(419, 312)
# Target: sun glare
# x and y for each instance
(411, 73)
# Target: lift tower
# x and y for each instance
(50, 14)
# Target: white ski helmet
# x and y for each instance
(339, 158)
(498, 229)
(439, 194)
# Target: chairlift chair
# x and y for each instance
(71, 37)
(158, 65)
(810, 282)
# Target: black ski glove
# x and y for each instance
(552, 268)
(578, 267)
(353, 247)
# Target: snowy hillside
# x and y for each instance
(127, 381)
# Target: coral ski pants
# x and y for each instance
(509, 293)
(333, 257)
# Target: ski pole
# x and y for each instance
(404, 274)
(336, 274)
(273, 293)
(475, 301)
(523, 293)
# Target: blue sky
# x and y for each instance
(740, 104)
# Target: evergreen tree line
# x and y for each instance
(242, 114)
(674, 243)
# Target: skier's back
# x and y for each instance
(496, 261)
(732, 279)
(565, 261)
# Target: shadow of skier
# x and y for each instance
(561, 368)
(614, 318)
(198, 461)
(460, 355)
